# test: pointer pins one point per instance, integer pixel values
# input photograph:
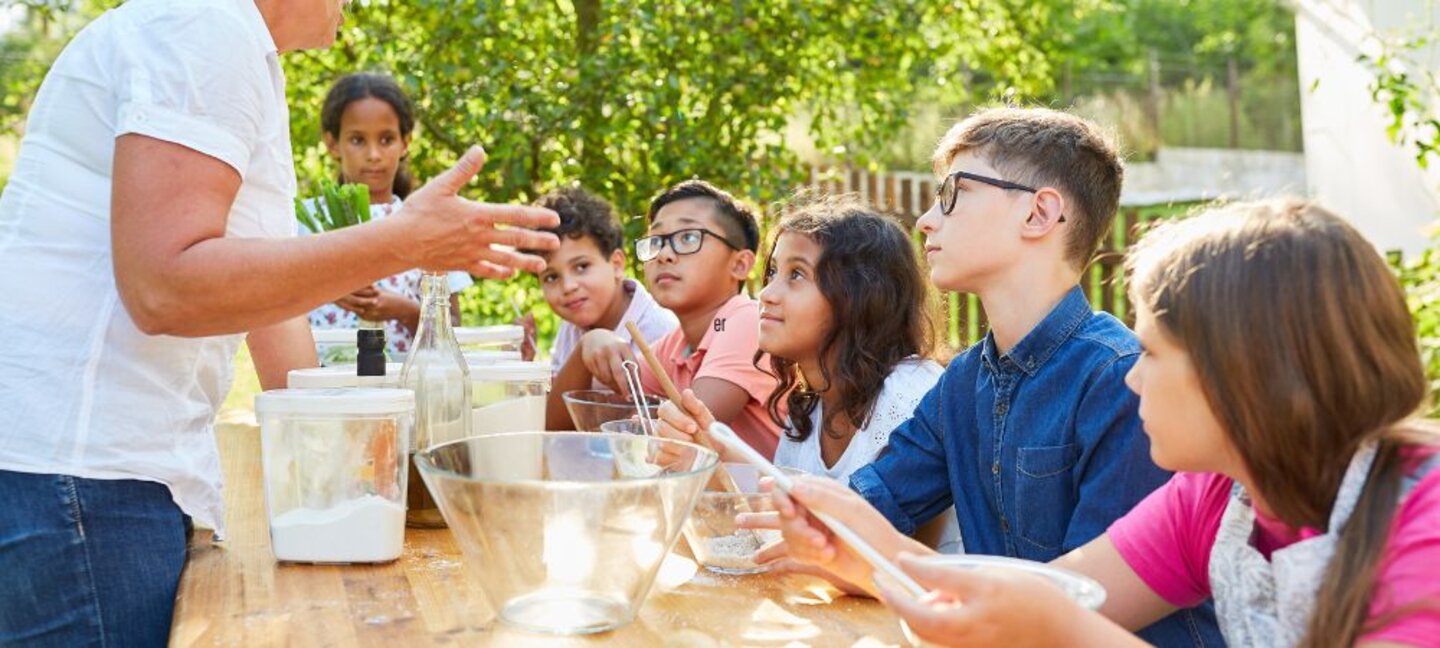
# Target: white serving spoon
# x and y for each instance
(723, 434)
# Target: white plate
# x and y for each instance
(1083, 590)
(334, 335)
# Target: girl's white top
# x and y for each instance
(83, 391)
(906, 385)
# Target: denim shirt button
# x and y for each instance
(1002, 407)
(1004, 525)
(995, 468)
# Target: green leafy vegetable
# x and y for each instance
(337, 206)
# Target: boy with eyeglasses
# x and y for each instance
(1031, 434)
(699, 249)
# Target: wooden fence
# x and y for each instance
(907, 195)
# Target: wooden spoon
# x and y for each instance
(721, 480)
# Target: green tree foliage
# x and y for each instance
(1118, 35)
(1421, 279)
(1096, 56)
(1209, 58)
(630, 96)
(1408, 93)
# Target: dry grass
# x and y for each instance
(239, 405)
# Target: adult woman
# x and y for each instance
(147, 224)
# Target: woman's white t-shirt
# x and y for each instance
(906, 385)
(83, 391)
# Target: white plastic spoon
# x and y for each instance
(723, 434)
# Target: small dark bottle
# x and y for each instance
(371, 361)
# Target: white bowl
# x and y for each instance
(1083, 590)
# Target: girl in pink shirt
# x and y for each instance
(1279, 374)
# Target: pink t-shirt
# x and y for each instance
(726, 352)
(1167, 540)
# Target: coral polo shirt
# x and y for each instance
(726, 352)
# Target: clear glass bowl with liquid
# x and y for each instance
(565, 531)
(589, 408)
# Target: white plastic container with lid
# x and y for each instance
(338, 376)
(505, 338)
(334, 335)
(335, 345)
(489, 356)
(508, 396)
(335, 466)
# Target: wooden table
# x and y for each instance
(234, 594)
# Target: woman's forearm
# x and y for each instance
(178, 273)
(263, 281)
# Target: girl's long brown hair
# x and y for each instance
(882, 307)
(1305, 349)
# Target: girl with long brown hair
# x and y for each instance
(1279, 379)
(847, 328)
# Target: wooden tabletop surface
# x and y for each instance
(235, 594)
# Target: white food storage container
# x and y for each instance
(335, 467)
(508, 396)
(341, 376)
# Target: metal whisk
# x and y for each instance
(632, 379)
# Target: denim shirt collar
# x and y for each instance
(1041, 342)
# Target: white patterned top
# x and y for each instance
(906, 385)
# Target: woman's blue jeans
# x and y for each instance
(87, 562)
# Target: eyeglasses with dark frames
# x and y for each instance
(948, 189)
(685, 241)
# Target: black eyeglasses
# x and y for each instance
(685, 241)
(948, 189)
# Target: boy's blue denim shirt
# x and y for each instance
(1039, 450)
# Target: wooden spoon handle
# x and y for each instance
(722, 477)
(655, 367)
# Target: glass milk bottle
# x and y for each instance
(437, 372)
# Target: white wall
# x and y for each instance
(1190, 174)
(10, 16)
(1351, 165)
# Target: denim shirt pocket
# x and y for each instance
(1044, 491)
